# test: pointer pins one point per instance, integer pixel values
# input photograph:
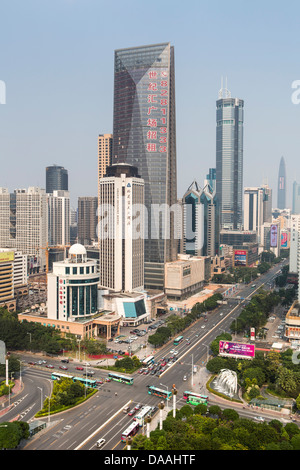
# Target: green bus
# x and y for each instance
(120, 378)
(158, 392)
(177, 340)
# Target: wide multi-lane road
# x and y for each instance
(102, 415)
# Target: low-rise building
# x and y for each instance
(186, 276)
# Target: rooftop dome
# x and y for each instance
(77, 249)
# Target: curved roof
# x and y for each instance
(77, 249)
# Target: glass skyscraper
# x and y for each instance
(144, 135)
(281, 188)
(56, 179)
(229, 159)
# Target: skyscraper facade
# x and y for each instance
(87, 220)
(24, 223)
(281, 188)
(296, 198)
(229, 159)
(144, 135)
(104, 153)
(121, 229)
(56, 179)
(58, 218)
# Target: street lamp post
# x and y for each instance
(161, 407)
(41, 396)
(167, 396)
(174, 391)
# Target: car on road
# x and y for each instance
(50, 366)
(184, 378)
(132, 412)
(79, 368)
(173, 351)
(260, 419)
(32, 363)
(63, 367)
(203, 326)
(138, 406)
(100, 443)
(65, 360)
(99, 382)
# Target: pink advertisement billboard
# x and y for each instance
(241, 350)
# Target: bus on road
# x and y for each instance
(195, 398)
(58, 376)
(142, 415)
(120, 378)
(149, 360)
(177, 340)
(158, 392)
(84, 381)
(130, 431)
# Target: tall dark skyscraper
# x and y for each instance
(281, 188)
(229, 159)
(56, 179)
(144, 131)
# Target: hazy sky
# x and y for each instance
(57, 63)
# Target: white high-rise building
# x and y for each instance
(295, 244)
(121, 229)
(24, 222)
(58, 218)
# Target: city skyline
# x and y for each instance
(56, 92)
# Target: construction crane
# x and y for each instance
(47, 249)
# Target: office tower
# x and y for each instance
(121, 229)
(211, 179)
(253, 208)
(73, 287)
(144, 135)
(192, 220)
(267, 204)
(200, 221)
(211, 221)
(104, 153)
(58, 218)
(87, 220)
(229, 159)
(24, 222)
(56, 179)
(281, 188)
(296, 198)
(294, 243)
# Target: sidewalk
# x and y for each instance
(4, 400)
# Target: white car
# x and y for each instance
(203, 326)
(100, 443)
(173, 351)
(184, 378)
(260, 419)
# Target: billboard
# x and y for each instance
(6, 256)
(284, 239)
(273, 235)
(238, 350)
(240, 257)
